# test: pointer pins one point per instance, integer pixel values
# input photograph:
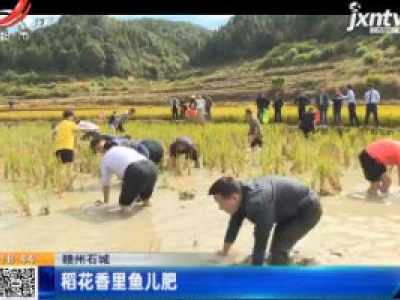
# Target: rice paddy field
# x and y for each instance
(33, 181)
(389, 115)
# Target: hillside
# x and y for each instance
(102, 60)
(250, 36)
(100, 45)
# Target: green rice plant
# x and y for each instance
(21, 196)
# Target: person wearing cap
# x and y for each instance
(374, 159)
(184, 145)
(64, 134)
(293, 207)
(138, 174)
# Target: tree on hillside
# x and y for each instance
(93, 58)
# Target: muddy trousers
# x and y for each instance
(138, 182)
(288, 233)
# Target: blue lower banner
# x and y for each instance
(219, 282)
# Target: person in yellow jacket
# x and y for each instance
(65, 142)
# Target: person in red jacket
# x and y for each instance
(374, 160)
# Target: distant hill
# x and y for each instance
(76, 56)
(100, 45)
(251, 36)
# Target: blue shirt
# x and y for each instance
(120, 141)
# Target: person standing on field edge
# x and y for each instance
(262, 104)
(278, 103)
(209, 104)
(65, 143)
(255, 131)
(301, 101)
(352, 106)
(174, 108)
(372, 98)
(322, 103)
(287, 202)
(337, 108)
(102, 115)
(184, 107)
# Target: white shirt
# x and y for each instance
(87, 126)
(116, 160)
(351, 98)
(200, 103)
(372, 96)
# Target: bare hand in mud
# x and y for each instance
(218, 258)
(221, 253)
(98, 203)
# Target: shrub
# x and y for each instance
(308, 84)
(315, 55)
(301, 58)
(305, 47)
(369, 59)
(292, 53)
(9, 75)
(374, 79)
(386, 41)
(360, 51)
(278, 82)
(345, 47)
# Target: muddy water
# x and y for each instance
(352, 231)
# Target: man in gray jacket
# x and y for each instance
(322, 103)
(293, 206)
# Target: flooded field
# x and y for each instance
(351, 231)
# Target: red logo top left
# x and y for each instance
(16, 15)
